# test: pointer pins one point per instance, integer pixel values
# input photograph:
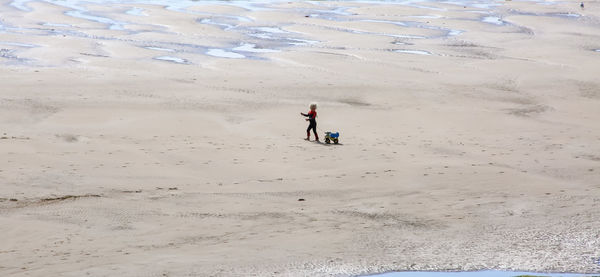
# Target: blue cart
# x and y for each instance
(331, 136)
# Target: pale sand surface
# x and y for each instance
(484, 154)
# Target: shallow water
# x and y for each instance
(160, 49)
(171, 59)
(27, 45)
(249, 47)
(493, 20)
(136, 12)
(251, 38)
(56, 25)
(224, 54)
(416, 52)
(488, 273)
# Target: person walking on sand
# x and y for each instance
(312, 119)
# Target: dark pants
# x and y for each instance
(313, 126)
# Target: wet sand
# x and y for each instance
(166, 140)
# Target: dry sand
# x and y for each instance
(484, 154)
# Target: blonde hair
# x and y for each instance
(313, 105)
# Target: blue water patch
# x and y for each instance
(19, 44)
(160, 49)
(487, 273)
(215, 52)
(249, 47)
(493, 20)
(415, 52)
(568, 15)
(136, 12)
(112, 24)
(21, 5)
(172, 59)
(331, 15)
(445, 31)
(224, 23)
(399, 23)
(49, 24)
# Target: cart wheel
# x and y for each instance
(327, 141)
(335, 141)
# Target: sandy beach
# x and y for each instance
(149, 138)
